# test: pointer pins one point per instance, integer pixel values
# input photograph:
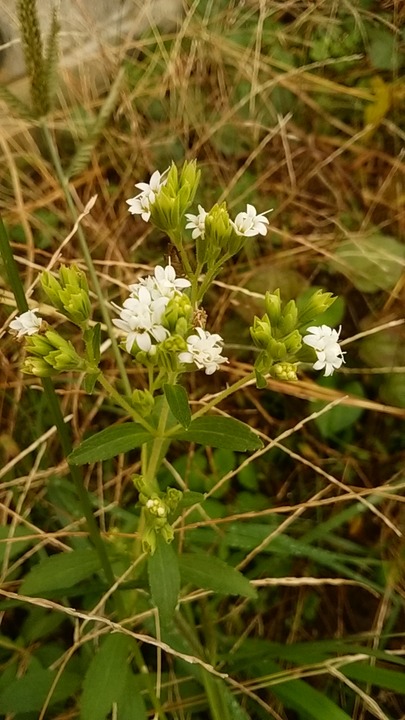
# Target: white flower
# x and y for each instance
(204, 350)
(140, 319)
(249, 223)
(163, 283)
(141, 203)
(27, 323)
(197, 223)
(324, 341)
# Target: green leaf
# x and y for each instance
(28, 693)
(307, 701)
(211, 573)
(340, 417)
(14, 547)
(221, 432)
(190, 498)
(131, 704)
(235, 711)
(60, 572)
(383, 51)
(393, 390)
(164, 580)
(372, 263)
(89, 383)
(108, 443)
(393, 680)
(105, 678)
(177, 399)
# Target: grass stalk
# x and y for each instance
(86, 253)
(53, 403)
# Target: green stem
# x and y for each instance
(209, 277)
(113, 393)
(152, 460)
(86, 254)
(53, 403)
(215, 401)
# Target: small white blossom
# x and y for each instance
(27, 323)
(140, 318)
(197, 223)
(249, 223)
(141, 203)
(324, 341)
(163, 283)
(204, 350)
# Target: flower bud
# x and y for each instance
(218, 231)
(69, 294)
(149, 540)
(143, 402)
(178, 307)
(167, 533)
(284, 371)
(272, 303)
(36, 366)
(316, 305)
(261, 331)
(289, 318)
(57, 352)
(293, 342)
(189, 179)
(173, 497)
(165, 211)
(168, 351)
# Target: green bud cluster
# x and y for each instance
(278, 333)
(277, 336)
(218, 233)
(168, 351)
(143, 402)
(284, 371)
(69, 294)
(175, 197)
(50, 353)
(178, 314)
(157, 508)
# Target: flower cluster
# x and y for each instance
(141, 317)
(246, 224)
(324, 341)
(204, 350)
(148, 316)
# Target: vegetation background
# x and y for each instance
(293, 105)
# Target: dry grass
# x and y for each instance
(272, 133)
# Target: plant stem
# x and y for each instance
(53, 403)
(152, 460)
(86, 253)
(215, 401)
(113, 393)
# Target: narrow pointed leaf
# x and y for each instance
(211, 573)
(131, 705)
(221, 432)
(382, 677)
(60, 572)
(109, 442)
(105, 678)
(28, 693)
(164, 580)
(177, 399)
